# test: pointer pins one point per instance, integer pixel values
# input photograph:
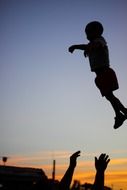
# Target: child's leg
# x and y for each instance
(116, 104)
(118, 107)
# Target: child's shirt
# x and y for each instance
(98, 54)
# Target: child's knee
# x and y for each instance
(109, 96)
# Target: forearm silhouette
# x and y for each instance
(100, 166)
(67, 178)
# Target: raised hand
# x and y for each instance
(73, 158)
(67, 178)
(102, 162)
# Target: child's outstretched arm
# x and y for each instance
(80, 47)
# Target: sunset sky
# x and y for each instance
(49, 104)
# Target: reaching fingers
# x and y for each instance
(76, 154)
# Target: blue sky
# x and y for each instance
(48, 99)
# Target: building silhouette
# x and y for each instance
(21, 178)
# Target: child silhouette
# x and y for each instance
(106, 80)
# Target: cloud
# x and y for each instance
(45, 158)
(119, 152)
(119, 161)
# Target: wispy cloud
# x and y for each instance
(62, 158)
(119, 161)
(119, 152)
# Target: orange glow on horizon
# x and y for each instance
(115, 174)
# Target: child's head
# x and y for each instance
(93, 30)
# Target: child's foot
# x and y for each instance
(119, 120)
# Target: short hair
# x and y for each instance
(94, 26)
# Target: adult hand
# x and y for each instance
(73, 158)
(102, 162)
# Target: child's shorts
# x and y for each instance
(107, 81)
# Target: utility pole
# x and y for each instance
(54, 169)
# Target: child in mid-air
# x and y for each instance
(97, 52)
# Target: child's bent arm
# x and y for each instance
(80, 47)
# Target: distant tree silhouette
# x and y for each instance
(4, 159)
